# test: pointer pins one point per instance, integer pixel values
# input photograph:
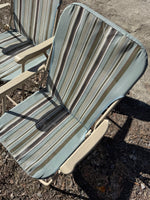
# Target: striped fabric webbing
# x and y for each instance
(40, 134)
(18, 43)
(11, 44)
(94, 63)
(35, 18)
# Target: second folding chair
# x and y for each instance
(34, 22)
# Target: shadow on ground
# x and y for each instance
(114, 166)
(125, 163)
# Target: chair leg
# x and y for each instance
(11, 100)
(47, 183)
(3, 104)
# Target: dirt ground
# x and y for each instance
(119, 166)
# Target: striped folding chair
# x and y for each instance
(93, 65)
(34, 21)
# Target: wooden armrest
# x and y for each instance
(19, 80)
(21, 58)
(4, 5)
(84, 148)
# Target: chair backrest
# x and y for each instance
(94, 62)
(35, 18)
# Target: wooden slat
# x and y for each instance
(16, 82)
(11, 100)
(34, 51)
(4, 5)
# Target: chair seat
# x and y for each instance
(40, 134)
(12, 43)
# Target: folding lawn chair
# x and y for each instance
(34, 21)
(25, 47)
(94, 63)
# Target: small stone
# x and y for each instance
(11, 195)
(11, 181)
(4, 154)
(142, 186)
(39, 194)
(19, 92)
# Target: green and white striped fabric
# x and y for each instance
(34, 23)
(94, 63)
(12, 43)
(40, 134)
(35, 18)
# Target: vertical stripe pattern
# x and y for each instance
(35, 18)
(11, 44)
(94, 59)
(93, 63)
(35, 22)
